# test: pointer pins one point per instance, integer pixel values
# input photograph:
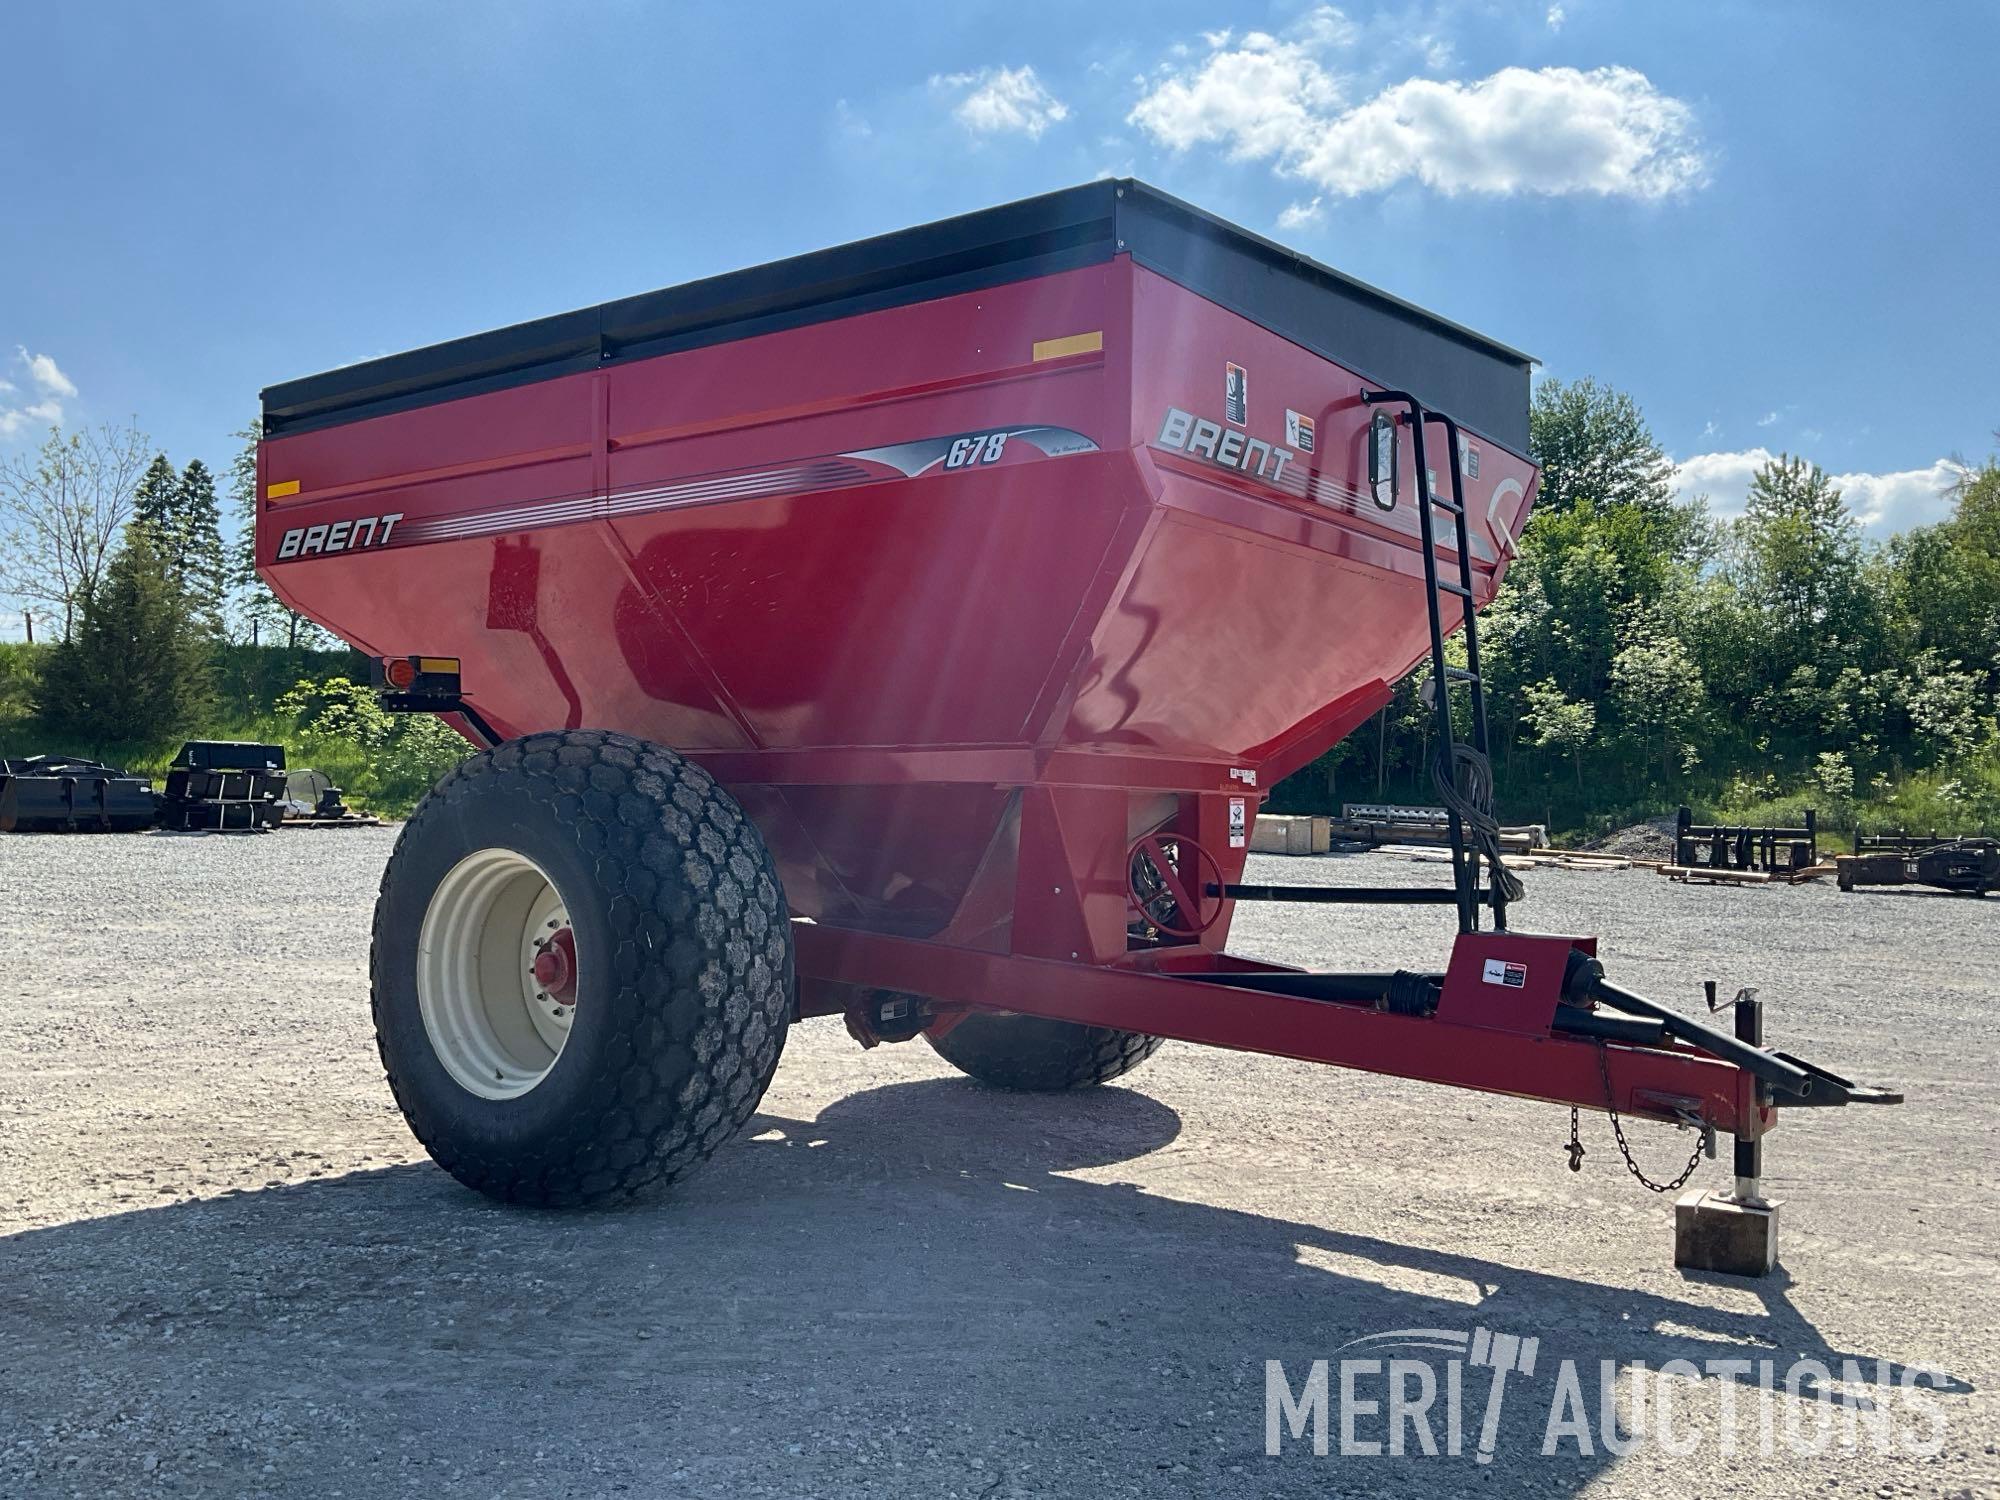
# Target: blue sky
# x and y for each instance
(1776, 224)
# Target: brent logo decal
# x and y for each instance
(1223, 446)
(340, 536)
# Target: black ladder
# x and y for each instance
(1468, 797)
(1459, 802)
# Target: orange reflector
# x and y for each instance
(445, 665)
(1076, 343)
(399, 672)
(281, 490)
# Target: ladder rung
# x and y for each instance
(1348, 895)
(1450, 507)
(1454, 588)
(1459, 674)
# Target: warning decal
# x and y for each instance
(1499, 971)
(1239, 823)
(1299, 432)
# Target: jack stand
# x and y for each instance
(1737, 1234)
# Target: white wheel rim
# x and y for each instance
(497, 1029)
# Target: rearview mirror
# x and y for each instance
(1384, 462)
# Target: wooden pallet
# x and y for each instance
(1721, 877)
(1584, 859)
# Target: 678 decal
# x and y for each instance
(978, 448)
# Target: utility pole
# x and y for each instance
(28, 615)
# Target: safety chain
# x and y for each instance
(1618, 1129)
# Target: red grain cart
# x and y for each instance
(910, 630)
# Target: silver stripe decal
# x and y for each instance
(822, 474)
(837, 472)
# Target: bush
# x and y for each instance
(20, 679)
(250, 679)
(386, 761)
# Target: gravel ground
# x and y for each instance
(225, 1268)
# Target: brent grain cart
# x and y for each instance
(910, 631)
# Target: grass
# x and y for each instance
(378, 781)
(1963, 800)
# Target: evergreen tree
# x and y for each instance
(154, 500)
(196, 543)
(137, 664)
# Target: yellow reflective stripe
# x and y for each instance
(1076, 343)
(281, 490)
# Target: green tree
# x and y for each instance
(137, 664)
(1951, 717)
(179, 512)
(1561, 724)
(154, 499)
(198, 556)
(1660, 697)
(1948, 577)
(1593, 445)
(1799, 567)
(259, 615)
(62, 508)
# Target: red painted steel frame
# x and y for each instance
(958, 616)
(1495, 1058)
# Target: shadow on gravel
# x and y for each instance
(893, 1289)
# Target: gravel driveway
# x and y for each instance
(226, 1269)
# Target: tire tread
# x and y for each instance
(703, 944)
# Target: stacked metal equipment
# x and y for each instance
(225, 786)
(1968, 866)
(66, 794)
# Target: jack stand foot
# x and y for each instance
(1717, 1233)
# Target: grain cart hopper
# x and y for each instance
(910, 631)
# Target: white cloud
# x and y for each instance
(1326, 26)
(50, 386)
(1299, 215)
(1438, 54)
(1556, 130)
(1767, 419)
(998, 101)
(42, 370)
(1884, 503)
(1888, 503)
(1551, 130)
(1556, 18)
(1258, 99)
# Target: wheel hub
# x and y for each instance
(554, 968)
(497, 973)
